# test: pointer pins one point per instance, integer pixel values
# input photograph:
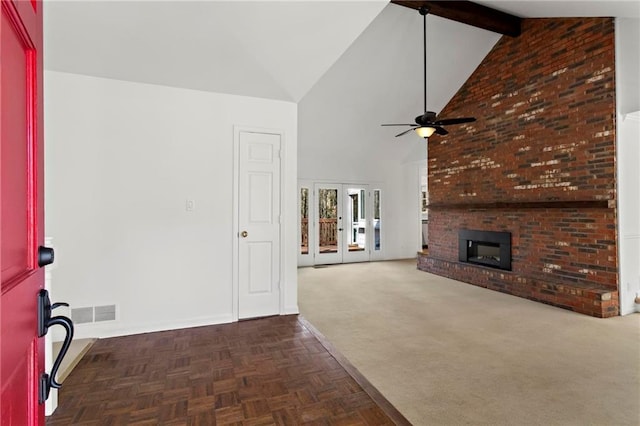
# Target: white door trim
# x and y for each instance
(237, 129)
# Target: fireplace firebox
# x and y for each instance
(486, 248)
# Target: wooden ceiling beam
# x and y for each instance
(470, 13)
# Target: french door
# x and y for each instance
(342, 230)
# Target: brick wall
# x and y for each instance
(539, 163)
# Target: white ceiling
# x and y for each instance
(268, 49)
(272, 50)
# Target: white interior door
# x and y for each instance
(258, 224)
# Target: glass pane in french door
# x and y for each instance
(356, 223)
(304, 221)
(328, 220)
(376, 220)
(356, 220)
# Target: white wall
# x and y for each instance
(379, 80)
(122, 158)
(629, 210)
(628, 156)
(628, 64)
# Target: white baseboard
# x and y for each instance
(290, 310)
(115, 328)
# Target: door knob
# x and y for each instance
(45, 256)
(244, 234)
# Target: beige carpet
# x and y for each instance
(449, 353)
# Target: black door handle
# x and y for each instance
(45, 320)
(45, 256)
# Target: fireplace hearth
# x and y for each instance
(486, 248)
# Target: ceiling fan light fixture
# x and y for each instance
(425, 131)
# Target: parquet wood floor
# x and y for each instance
(269, 371)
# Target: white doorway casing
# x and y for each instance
(627, 67)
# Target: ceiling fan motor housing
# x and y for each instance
(426, 118)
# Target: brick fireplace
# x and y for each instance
(539, 165)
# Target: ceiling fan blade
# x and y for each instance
(441, 130)
(405, 132)
(448, 121)
(414, 125)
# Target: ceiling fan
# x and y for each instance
(427, 124)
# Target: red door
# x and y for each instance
(21, 213)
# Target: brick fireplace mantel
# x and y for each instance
(539, 163)
(525, 205)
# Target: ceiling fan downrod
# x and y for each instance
(424, 10)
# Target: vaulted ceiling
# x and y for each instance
(265, 49)
(269, 49)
